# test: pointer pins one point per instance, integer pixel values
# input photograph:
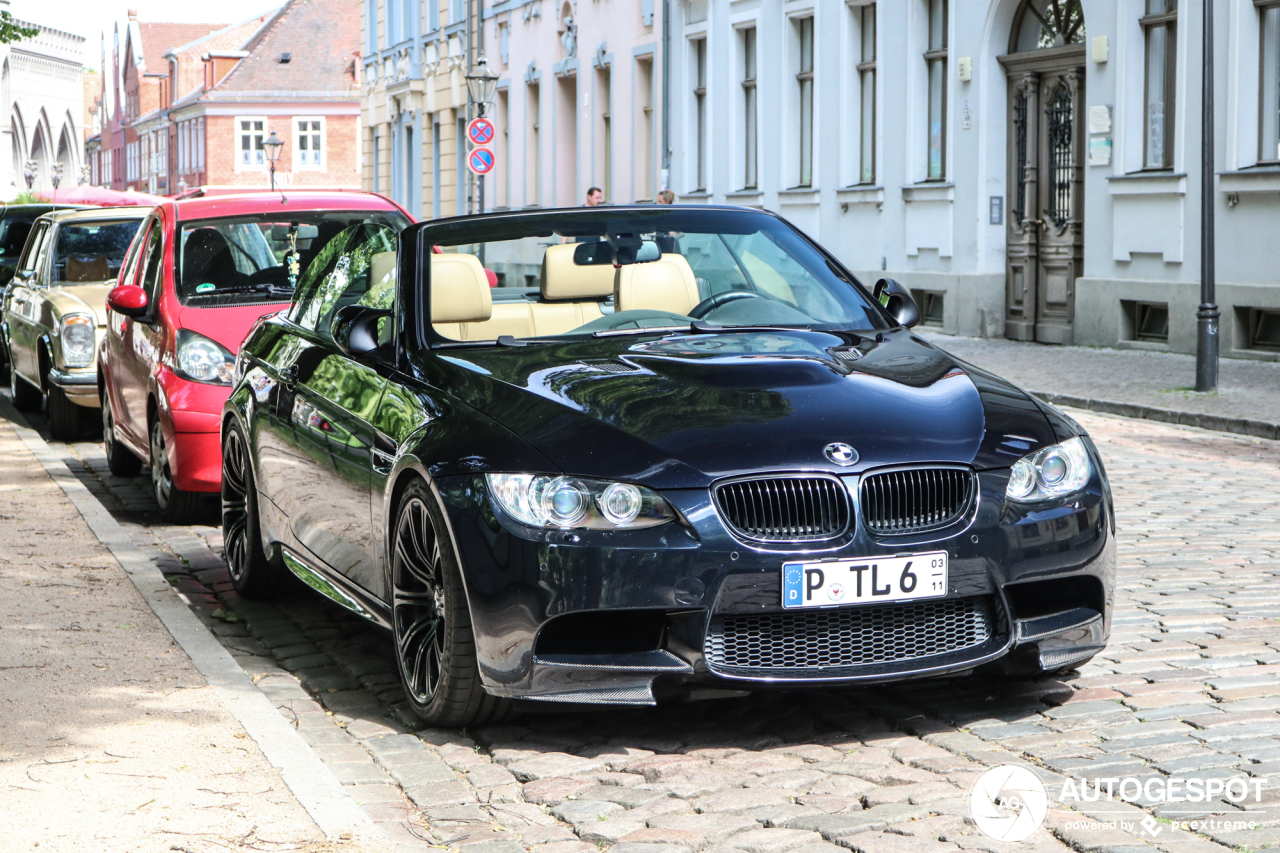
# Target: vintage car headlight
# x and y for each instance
(202, 360)
(77, 333)
(540, 500)
(1052, 472)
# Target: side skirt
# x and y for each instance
(338, 589)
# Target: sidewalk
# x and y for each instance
(111, 739)
(1134, 383)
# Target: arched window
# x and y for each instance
(1041, 24)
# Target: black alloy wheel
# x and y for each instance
(120, 459)
(176, 506)
(435, 646)
(26, 397)
(64, 416)
(252, 574)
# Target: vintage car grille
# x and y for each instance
(865, 636)
(914, 500)
(785, 509)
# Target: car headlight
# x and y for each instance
(77, 333)
(1052, 472)
(202, 360)
(540, 500)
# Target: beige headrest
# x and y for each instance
(459, 289)
(563, 279)
(666, 284)
(99, 270)
(382, 265)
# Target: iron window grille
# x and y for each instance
(1060, 130)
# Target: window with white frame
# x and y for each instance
(1159, 27)
(700, 113)
(866, 20)
(371, 26)
(750, 137)
(1269, 84)
(804, 83)
(182, 146)
(200, 143)
(308, 143)
(935, 58)
(250, 134)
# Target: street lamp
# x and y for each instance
(29, 172)
(1207, 315)
(55, 174)
(482, 85)
(273, 146)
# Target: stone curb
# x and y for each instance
(311, 781)
(1217, 423)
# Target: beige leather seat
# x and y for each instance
(97, 269)
(563, 279)
(459, 293)
(666, 284)
(382, 282)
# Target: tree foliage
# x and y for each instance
(11, 30)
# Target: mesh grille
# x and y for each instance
(843, 638)
(785, 509)
(915, 500)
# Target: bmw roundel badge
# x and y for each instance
(840, 453)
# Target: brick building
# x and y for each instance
(194, 103)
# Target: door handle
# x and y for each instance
(289, 377)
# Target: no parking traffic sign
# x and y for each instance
(480, 161)
(480, 131)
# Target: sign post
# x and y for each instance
(480, 161)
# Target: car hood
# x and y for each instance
(87, 298)
(226, 324)
(682, 410)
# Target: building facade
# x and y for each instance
(578, 102)
(41, 86)
(1031, 168)
(191, 105)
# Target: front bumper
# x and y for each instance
(612, 617)
(191, 418)
(80, 384)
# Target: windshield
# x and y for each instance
(260, 257)
(91, 251)
(620, 271)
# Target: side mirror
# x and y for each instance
(897, 300)
(129, 300)
(355, 330)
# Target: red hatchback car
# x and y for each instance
(198, 275)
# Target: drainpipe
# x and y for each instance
(666, 94)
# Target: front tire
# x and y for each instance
(252, 574)
(64, 416)
(120, 459)
(26, 397)
(176, 505)
(435, 644)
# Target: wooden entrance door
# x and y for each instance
(1046, 200)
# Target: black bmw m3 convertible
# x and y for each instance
(675, 450)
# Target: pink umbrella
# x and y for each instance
(86, 194)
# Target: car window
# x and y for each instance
(136, 251)
(91, 251)
(261, 257)
(356, 267)
(152, 267)
(584, 272)
(35, 242)
(14, 231)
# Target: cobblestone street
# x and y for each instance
(1189, 688)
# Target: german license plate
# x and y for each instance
(864, 580)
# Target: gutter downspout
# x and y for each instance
(666, 94)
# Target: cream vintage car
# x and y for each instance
(54, 313)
